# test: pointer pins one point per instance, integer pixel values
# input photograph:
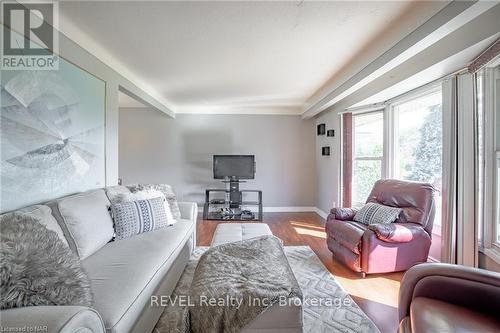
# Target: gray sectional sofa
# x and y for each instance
(124, 274)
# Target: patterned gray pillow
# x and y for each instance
(135, 217)
(167, 192)
(374, 213)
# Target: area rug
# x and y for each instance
(327, 306)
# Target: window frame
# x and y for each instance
(496, 220)
(489, 244)
(388, 159)
(393, 116)
(382, 158)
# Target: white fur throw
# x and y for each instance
(36, 268)
(167, 192)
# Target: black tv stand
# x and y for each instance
(235, 195)
(230, 207)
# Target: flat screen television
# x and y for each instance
(234, 166)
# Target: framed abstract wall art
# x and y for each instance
(52, 137)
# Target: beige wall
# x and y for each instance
(154, 148)
(328, 167)
(72, 52)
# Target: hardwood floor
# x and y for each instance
(377, 294)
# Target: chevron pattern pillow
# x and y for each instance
(135, 217)
(374, 213)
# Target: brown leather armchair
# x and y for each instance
(382, 248)
(448, 298)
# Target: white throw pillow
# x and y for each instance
(374, 213)
(85, 221)
(145, 195)
(136, 217)
(167, 192)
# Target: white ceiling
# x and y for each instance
(239, 57)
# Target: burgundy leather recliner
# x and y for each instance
(382, 248)
(448, 298)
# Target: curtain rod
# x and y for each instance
(485, 57)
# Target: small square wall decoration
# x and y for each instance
(321, 129)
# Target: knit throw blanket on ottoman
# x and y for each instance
(235, 282)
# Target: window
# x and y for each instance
(418, 140)
(490, 98)
(496, 134)
(481, 189)
(368, 154)
(488, 160)
(497, 231)
(404, 141)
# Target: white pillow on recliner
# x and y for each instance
(374, 213)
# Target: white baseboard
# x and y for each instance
(286, 209)
(321, 212)
(431, 259)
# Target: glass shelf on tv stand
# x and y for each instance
(243, 203)
(224, 210)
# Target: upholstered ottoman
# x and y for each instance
(234, 232)
(277, 319)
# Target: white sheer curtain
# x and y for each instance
(459, 171)
(462, 187)
(448, 251)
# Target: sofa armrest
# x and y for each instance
(189, 210)
(343, 214)
(396, 232)
(479, 289)
(65, 319)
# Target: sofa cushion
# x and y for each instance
(430, 315)
(125, 273)
(136, 217)
(44, 215)
(85, 220)
(237, 232)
